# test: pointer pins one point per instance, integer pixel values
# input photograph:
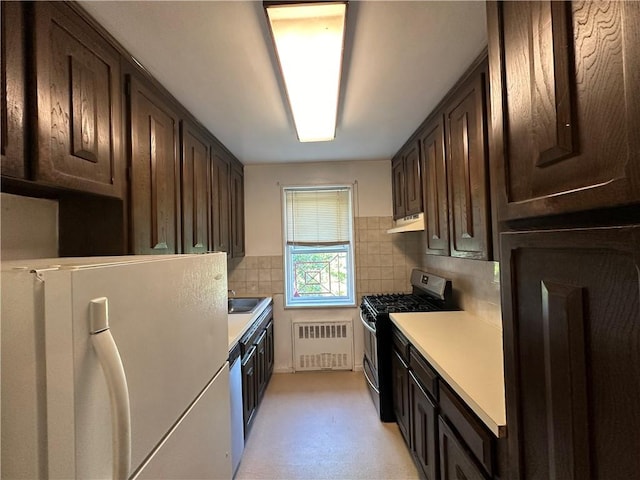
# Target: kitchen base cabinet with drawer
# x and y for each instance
(424, 419)
(400, 377)
(475, 437)
(400, 380)
(445, 437)
(455, 462)
(257, 364)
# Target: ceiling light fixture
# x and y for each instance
(309, 39)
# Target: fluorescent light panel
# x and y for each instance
(309, 39)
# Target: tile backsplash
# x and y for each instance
(383, 262)
(476, 284)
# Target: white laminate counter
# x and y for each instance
(239, 323)
(467, 353)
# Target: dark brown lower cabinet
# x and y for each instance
(400, 376)
(455, 462)
(423, 429)
(423, 402)
(261, 362)
(249, 388)
(571, 313)
(257, 364)
(270, 350)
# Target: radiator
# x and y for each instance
(323, 346)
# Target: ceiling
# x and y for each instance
(216, 58)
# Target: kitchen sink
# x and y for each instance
(244, 304)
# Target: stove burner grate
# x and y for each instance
(401, 302)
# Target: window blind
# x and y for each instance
(318, 217)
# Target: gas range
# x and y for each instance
(431, 293)
(400, 302)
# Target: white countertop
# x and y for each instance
(467, 353)
(239, 323)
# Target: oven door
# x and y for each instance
(370, 361)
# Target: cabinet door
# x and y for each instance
(413, 179)
(237, 211)
(398, 188)
(220, 198)
(424, 438)
(79, 92)
(196, 170)
(270, 350)
(261, 364)
(467, 171)
(13, 90)
(249, 388)
(571, 313)
(434, 187)
(154, 160)
(400, 376)
(565, 105)
(455, 462)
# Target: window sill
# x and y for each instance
(319, 306)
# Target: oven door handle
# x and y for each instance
(373, 387)
(366, 324)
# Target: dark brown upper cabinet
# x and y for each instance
(467, 169)
(237, 210)
(220, 213)
(565, 106)
(398, 187)
(407, 182)
(12, 43)
(155, 210)
(77, 124)
(195, 181)
(413, 179)
(434, 187)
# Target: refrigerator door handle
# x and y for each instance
(109, 358)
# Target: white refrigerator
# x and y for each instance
(115, 368)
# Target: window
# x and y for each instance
(318, 238)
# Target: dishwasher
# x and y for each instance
(237, 421)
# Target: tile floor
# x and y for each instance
(322, 425)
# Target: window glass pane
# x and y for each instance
(320, 274)
(318, 231)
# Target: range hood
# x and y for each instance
(412, 223)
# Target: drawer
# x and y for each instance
(401, 344)
(424, 373)
(479, 440)
(455, 462)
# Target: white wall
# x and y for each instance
(263, 183)
(28, 228)
(263, 230)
